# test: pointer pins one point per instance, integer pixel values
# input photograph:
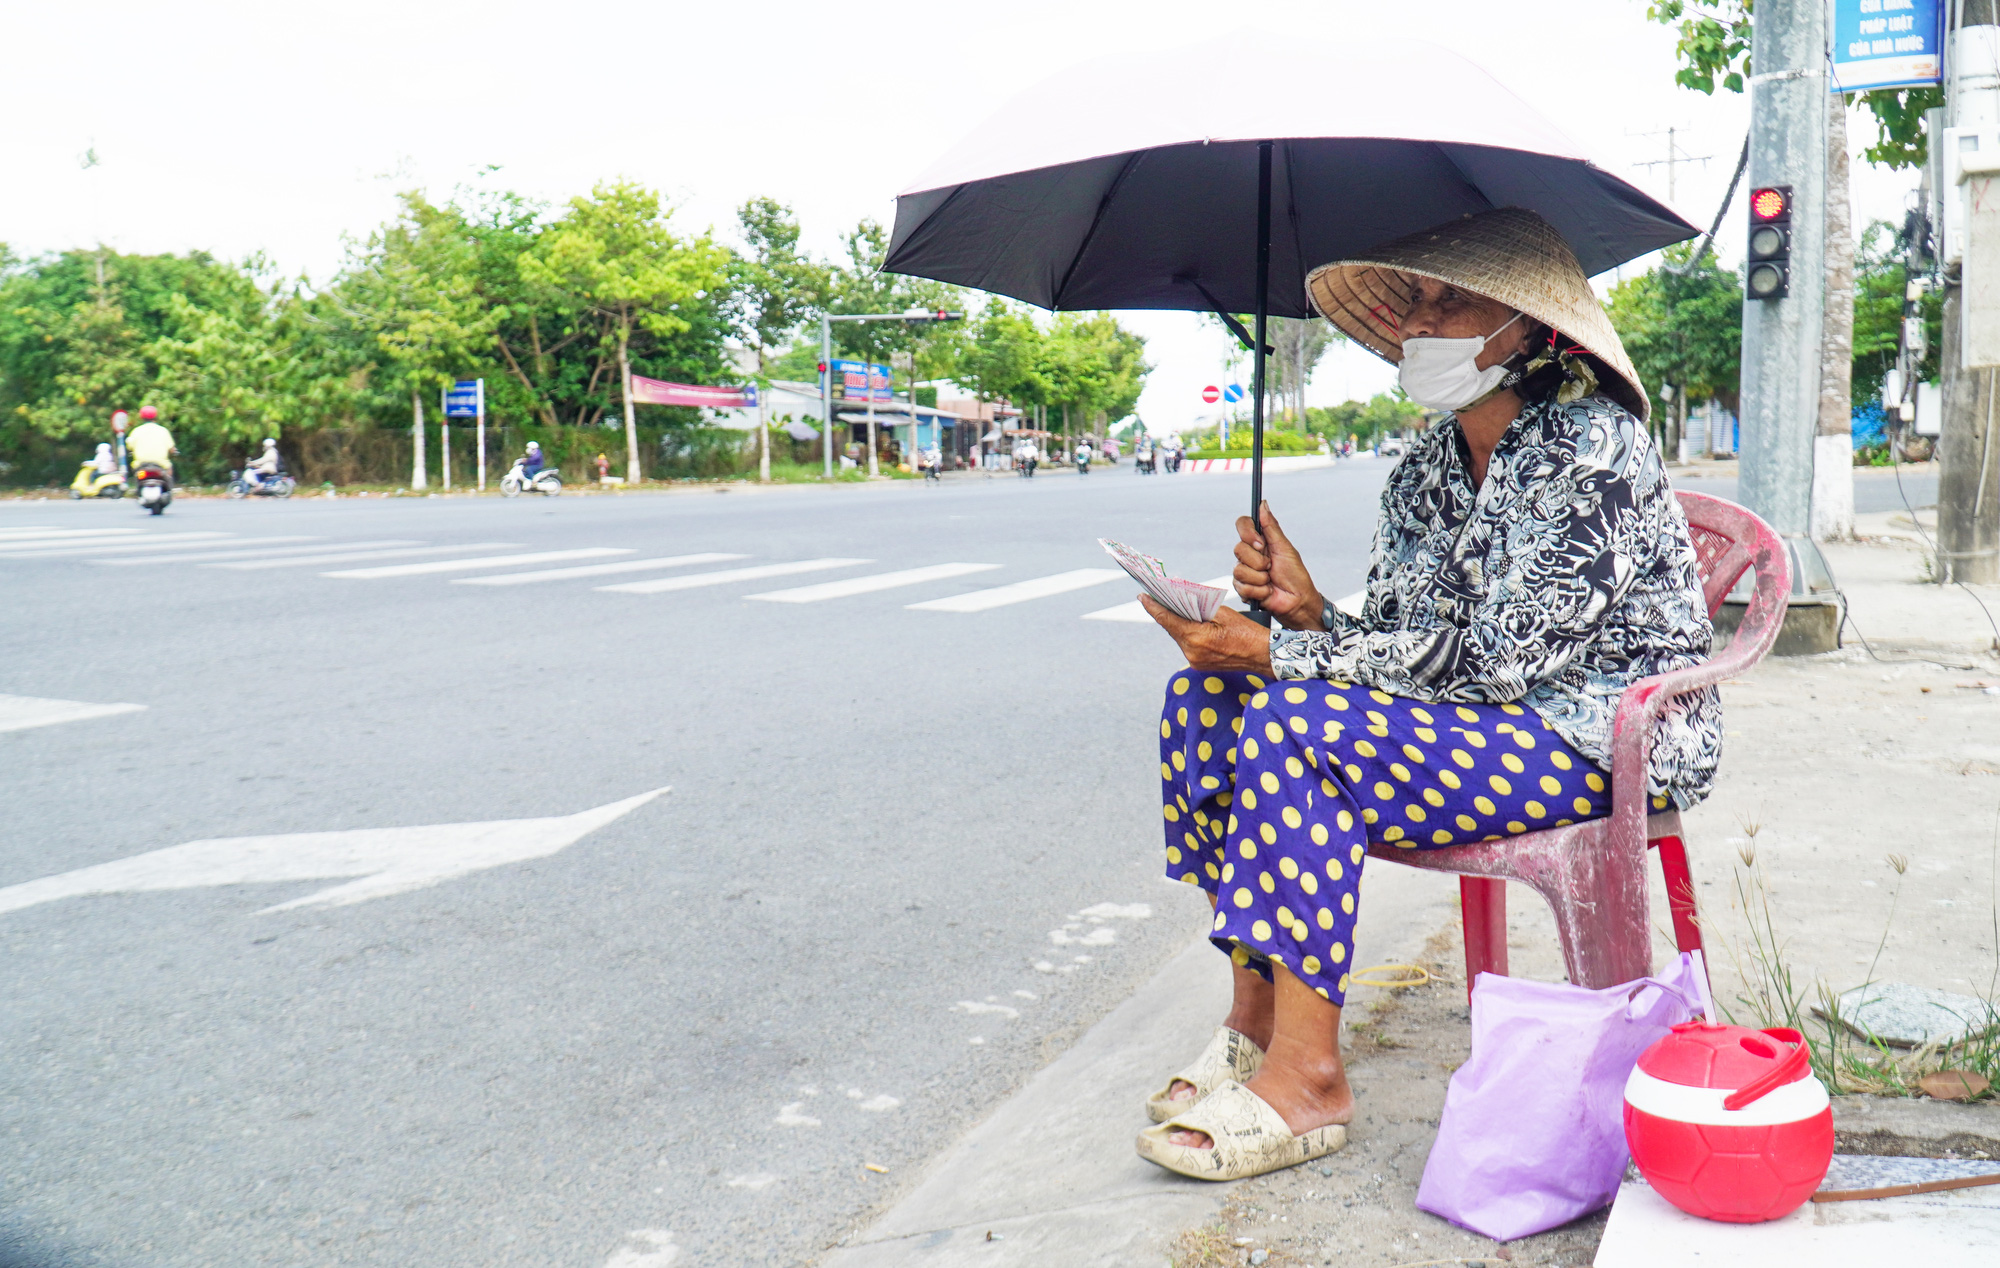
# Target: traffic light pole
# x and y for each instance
(826, 320)
(1781, 335)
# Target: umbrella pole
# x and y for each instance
(1257, 612)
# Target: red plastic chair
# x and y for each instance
(1594, 874)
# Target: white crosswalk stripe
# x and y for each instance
(66, 549)
(1133, 612)
(232, 551)
(594, 570)
(351, 556)
(228, 546)
(1020, 591)
(870, 584)
(485, 561)
(12, 535)
(660, 585)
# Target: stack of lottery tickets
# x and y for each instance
(1190, 599)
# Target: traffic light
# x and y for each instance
(943, 315)
(1769, 275)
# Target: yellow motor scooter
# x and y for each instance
(89, 484)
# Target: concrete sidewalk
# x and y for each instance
(1052, 1175)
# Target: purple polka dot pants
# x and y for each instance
(1272, 792)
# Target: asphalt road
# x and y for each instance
(907, 856)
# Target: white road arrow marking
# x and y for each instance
(18, 713)
(387, 860)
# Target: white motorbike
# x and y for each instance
(515, 482)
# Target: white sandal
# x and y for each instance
(1249, 1138)
(1230, 1054)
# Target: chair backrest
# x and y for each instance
(1728, 539)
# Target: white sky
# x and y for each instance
(243, 127)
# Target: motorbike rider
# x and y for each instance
(1082, 456)
(264, 466)
(930, 460)
(105, 463)
(531, 462)
(151, 444)
(1025, 456)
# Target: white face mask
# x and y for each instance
(1444, 374)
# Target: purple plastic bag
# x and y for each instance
(1533, 1132)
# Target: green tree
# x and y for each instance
(231, 373)
(1384, 414)
(1003, 359)
(614, 258)
(776, 288)
(1683, 329)
(415, 292)
(1093, 366)
(1879, 280)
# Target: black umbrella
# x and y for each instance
(1132, 182)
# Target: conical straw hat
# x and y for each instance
(1509, 254)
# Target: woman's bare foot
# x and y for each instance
(1306, 1098)
(1302, 1076)
(1251, 1014)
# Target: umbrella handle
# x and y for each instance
(1257, 612)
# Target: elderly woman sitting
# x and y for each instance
(1531, 562)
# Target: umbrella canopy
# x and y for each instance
(1132, 181)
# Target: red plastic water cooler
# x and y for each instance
(1728, 1123)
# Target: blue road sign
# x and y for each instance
(1887, 44)
(463, 398)
(1233, 393)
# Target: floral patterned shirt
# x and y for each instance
(1565, 578)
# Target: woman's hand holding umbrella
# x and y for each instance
(1270, 574)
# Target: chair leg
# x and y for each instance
(1483, 904)
(1680, 892)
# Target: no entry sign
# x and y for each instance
(1211, 394)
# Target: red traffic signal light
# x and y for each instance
(822, 367)
(1768, 271)
(943, 315)
(1771, 205)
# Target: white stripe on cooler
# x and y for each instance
(1802, 1098)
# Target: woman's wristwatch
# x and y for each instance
(1326, 615)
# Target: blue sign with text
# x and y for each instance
(1887, 44)
(463, 398)
(862, 381)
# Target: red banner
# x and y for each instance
(647, 391)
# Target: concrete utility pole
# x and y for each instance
(1833, 447)
(1969, 446)
(1781, 337)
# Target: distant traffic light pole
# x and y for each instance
(1785, 275)
(826, 321)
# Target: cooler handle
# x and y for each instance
(1788, 1068)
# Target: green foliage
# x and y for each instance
(536, 300)
(776, 287)
(1714, 41)
(1714, 47)
(1684, 329)
(1275, 442)
(1384, 414)
(1084, 361)
(1878, 312)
